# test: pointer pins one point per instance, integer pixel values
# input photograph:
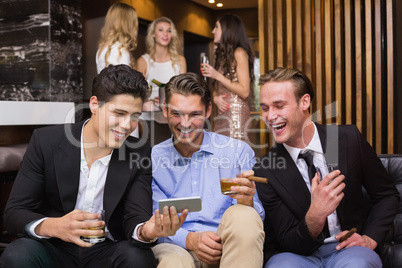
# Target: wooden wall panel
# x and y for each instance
(346, 48)
(359, 63)
(378, 74)
(319, 59)
(349, 88)
(369, 71)
(327, 91)
(390, 76)
(299, 56)
(338, 44)
(308, 39)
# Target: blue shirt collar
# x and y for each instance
(205, 148)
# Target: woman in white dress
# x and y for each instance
(118, 37)
(162, 60)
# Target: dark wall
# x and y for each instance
(40, 50)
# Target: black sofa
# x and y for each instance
(391, 253)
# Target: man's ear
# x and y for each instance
(164, 109)
(209, 111)
(93, 104)
(305, 102)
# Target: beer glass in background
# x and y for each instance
(95, 238)
(226, 174)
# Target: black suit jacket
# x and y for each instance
(286, 198)
(48, 179)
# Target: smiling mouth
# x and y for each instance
(119, 135)
(278, 127)
(186, 131)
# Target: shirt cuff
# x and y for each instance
(31, 229)
(135, 235)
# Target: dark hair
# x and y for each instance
(234, 35)
(188, 84)
(300, 80)
(119, 79)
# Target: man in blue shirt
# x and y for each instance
(228, 231)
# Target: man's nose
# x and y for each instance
(125, 122)
(271, 115)
(185, 121)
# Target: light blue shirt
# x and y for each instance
(176, 176)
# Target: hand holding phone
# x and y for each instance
(191, 203)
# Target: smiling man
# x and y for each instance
(227, 232)
(307, 214)
(71, 168)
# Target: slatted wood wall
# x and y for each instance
(346, 48)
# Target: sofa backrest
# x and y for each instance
(392, 252)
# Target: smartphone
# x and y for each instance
(191, 203)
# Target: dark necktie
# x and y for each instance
(308, 157)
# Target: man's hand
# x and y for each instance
(325, 198)
(71, 227)
(356, 240)
(246, 189)
(206, 246)
(162, 225)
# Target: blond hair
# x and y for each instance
(301, 82)
(173, 46)
(121, 25)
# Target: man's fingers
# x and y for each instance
(331, 176)
(157, 217)
(183, 217)
(248, 173)
(315, 182)
(81, 243)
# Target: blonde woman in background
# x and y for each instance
(162, 60)
(118, 37)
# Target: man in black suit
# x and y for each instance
(308, 209)
(70, 168)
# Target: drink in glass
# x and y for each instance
(95, 238)
(226, 175)
(204, 60)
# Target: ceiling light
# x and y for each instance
(211, 1)
(219, 5)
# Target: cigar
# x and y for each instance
(347, 235)
(257, 179)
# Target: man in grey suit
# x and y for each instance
(70, 167)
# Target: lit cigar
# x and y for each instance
(258, 179)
